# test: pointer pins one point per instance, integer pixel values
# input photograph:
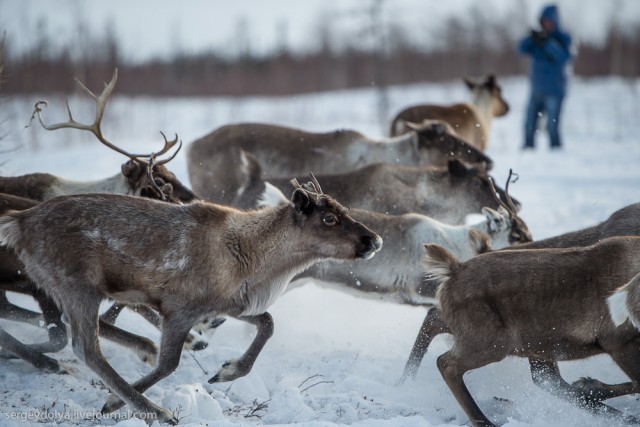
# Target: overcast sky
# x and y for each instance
(157, 28)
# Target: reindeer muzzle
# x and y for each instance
(370, 245)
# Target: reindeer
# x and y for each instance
(218, 172)
(471, 121)
(143, 175)
(545, 373)
(446, 194)
(546, 304)
(185, 261)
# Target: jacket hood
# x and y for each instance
(551, 12)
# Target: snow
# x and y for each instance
(334, 359)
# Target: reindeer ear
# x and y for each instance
(470, 82)
(167, 189)
(300, 199)
(491, 81)
(457, 168)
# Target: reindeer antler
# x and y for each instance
(519, 228)
(312, 187)
(509, 206)
(101, 103)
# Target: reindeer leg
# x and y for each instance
(432, 326)
(84, 329)
(13, 312)
(151, 316)
(587, 392)
(175, 329)
(112, 313)
(190, 343)
(453, 366)
(237, 368)
(37, 359)
(627, 357)
(144, 347)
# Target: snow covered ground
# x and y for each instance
(334, 359)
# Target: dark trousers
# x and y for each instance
(550, 106)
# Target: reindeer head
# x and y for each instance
(160, 184)
(476, 185)
(334, 233)
(444, 144)
(488, 88)
(145, 175)
(519, 231)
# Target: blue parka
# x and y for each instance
(548, 58)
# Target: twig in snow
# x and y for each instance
(198, 362)
(313, 385)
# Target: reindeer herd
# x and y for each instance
(188, 259)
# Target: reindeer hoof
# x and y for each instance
(148, 358)
(164, 416)
(113, 403)
(196, 345)
(217, 322)
(230, 370)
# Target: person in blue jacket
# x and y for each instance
(550, 52)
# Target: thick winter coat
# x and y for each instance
(550, 53)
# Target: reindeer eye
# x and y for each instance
(330, 219)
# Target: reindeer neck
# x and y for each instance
(482, 104)
(266, 234)
(265, 257)
(116, 184)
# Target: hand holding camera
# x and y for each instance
(539, 37)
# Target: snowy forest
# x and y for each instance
(372, 51)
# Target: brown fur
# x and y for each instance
(547, 304)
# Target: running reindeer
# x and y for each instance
(548, 304)
(446, 194)
(185, 261)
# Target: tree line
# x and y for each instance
(461, 49)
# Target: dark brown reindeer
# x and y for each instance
(471, 121)
(14, 278)
(216, 168)
(185, 261)
(446, 194)
(545, 373)
(545, 304)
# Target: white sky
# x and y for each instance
(147, 28)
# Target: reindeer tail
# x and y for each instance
(438, 263)
(9, 229)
